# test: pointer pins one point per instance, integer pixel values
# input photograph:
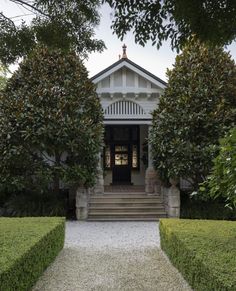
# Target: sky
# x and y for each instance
(148, 57)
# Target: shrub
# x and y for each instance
(204, 251)
(36, 204)
(192, 208)
(27, 247)
(222, 181)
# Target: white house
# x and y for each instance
(127, 186)
(128, 95)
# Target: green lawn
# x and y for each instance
(204, 251)
(27, 247)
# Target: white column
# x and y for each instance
(151, 175)
(99, 187)
(150, 159)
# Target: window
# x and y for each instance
(121, 148)
(121, 159)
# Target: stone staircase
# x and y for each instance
(112, 206)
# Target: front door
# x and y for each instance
(121, 160)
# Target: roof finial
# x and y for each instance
(124, 56)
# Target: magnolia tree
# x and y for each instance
(50, 125)
(196, 109)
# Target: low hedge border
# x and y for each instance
(27, 247)
(204, 251)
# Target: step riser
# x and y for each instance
(124, 219)
(125, 205)
(126, 196)
(127, 200)
(126, 210)
(127, 213)
(108, 217)
(126, 193)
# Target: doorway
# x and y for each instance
(121, 170)
(121, 152)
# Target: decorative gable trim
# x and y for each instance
(132, 66)
(125, 109)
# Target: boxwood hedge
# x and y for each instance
(27, 247)
(204, 251)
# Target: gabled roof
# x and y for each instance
(128, 61)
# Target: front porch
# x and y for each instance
(127, 186)
(126, 159)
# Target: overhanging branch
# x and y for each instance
(31, 6)
(8, 19)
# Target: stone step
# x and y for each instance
(123, 194)
(125, 205)
(126, 193)
(129, 197)
(124, 219)
(126, 202)
(126, 210)
(123, 202)
(126, 199)
(127, 214)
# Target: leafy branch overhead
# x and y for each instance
(60, 24)
(211, 21)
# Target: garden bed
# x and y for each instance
(27, 247)
(204, 251)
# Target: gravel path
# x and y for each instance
(111, 256)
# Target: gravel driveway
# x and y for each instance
(111, 256)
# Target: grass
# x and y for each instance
(204, 251)
(27, 247)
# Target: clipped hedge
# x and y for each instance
(27, 247)
(204, 251)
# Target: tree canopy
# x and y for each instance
(211, 21)
(65, 24)
(196, 109)
(50, 124)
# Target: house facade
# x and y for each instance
(127, 186)
(128, 95)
